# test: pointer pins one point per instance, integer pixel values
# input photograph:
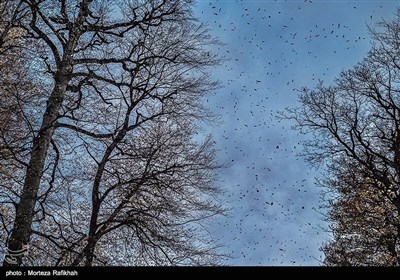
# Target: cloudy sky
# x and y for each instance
(276, 47)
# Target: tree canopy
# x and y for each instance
(109, 167)
(355, 125)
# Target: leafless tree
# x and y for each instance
(17, 93)
(355, 125)
(117, 172)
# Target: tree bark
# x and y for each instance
(26, 207)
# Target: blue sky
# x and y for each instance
(276, 47)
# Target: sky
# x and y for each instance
(275, 48)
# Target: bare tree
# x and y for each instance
(17, 95)
(117, 173)
(355, 125)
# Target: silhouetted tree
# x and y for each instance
(117, 173)
(16, 93)
(355, 123)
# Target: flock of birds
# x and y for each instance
(275, 48)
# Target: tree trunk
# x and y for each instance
(93, 237)
(26, 206)
(87, 253)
